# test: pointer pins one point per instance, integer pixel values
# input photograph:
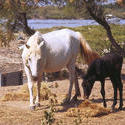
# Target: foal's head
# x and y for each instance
(87, 85)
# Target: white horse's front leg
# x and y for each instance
(30, 86)
(37, 102)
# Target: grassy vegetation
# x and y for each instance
(115, 10)
(54, 12)
(5, 38)
(96, 35)
(66, 12)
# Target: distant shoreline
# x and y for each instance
(49, 23)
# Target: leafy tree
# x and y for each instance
(95, 9)
(121, 2)
(15, 14)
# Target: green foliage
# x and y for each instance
(97, 38)
(70, 13)
(55, 12)
(115, 10)
(5, 38)
(11, 8)
(48, 118)
(13, 12)
(96, 35)
(74, 10)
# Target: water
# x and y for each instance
(49, 23)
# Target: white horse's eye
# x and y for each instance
(29, 59)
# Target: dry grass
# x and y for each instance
(15, 116)
(85, 109)
(88, 109)
(23, 93)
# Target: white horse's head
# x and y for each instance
(32, 54)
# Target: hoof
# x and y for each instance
(113, 108)
(37, 104)
(74, 99)
(66, 101)
(78, 94)
(120, 108)
(32, 108)
(105, 105)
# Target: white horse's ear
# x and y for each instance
(21, 47)
(38, 41)
(41, 44)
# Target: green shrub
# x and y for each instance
(5, 38)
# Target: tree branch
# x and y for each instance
(97, 14)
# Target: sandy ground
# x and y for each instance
(18, 113)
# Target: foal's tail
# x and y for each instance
(86, 50)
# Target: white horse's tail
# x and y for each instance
(86, 51)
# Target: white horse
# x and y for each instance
(51, 52)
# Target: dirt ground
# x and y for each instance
(18, 113)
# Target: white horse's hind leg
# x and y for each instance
(71, 68)
(77, 89)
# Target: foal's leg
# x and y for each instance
(120, 86)
(103, 92)
(114, 83)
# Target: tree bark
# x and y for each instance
(26, 28)
(102, 21)
(20, 17)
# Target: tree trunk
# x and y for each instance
(20, 19)
(99, 17)
(26, 28)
